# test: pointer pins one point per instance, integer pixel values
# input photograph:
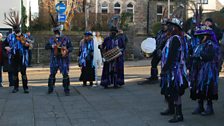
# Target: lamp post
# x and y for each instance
(168, 8)
(148, 17)
(96, 10)
(86, 13)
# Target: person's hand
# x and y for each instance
(8, 49)
(27, 44)
(64, 52)
(53, 46)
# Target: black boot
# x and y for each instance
(66, 83)
(16, 84)
(154, 75)
(25, 84)
(84, 84)
(200, 108)
(209, 109)
(178, 116)
(91, 83)
(15, 90)
(170, 109)
(51, 84)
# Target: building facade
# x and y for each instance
(144, 13)
(207, 5)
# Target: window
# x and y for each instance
(130, 10)
(117, 8)
(202, 1)
(160, 9)
(104, 8)
(159, 12)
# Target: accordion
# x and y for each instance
(112, 54)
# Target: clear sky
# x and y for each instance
(222, 1)
(34, 6)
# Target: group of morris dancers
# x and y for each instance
(185, 62)
(16, 47)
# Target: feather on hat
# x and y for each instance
(197, 17)
(177, 17)
(13, 20)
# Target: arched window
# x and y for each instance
(130, 10)
(104, 8)
(117, 8)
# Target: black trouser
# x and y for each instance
(18, 66)
(154, 63)
(51, 82)
(24, 79)
(10, 78)
(30, 57)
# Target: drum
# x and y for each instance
(148, 46)
(112, 54)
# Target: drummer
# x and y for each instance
(161, 39)
(113, 71)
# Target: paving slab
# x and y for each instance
(131, 105)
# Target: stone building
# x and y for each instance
(144, 12)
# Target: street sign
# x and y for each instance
(61, 18)
(60, 7)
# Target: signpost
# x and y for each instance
(61, 18)
(61, 8)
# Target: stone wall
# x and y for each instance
(42, 56)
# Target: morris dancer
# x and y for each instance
(86, 51)
(161, 39)
(113, 71)
(174, 71)
(17, 47)
(60, 47)
(205, 70)
(218, 33)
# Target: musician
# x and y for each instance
(31, 39)
(113, 71)
(86, 56)
(161, 39)
(17, 46)
(205, 70)
(173, 74)
(60, 47)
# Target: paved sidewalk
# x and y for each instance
(132, 105)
